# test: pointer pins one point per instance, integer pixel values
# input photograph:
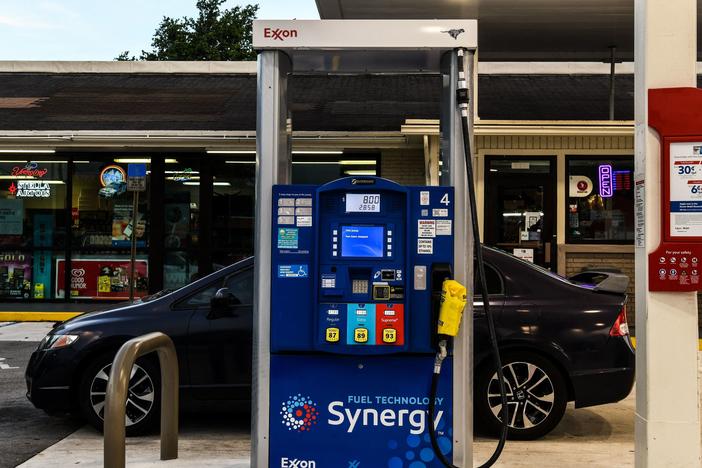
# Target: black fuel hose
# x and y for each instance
(463, 101)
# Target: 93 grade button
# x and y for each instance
(332, 335)
(360, 335)
(389, 335)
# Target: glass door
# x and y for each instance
(519, 207)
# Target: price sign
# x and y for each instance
(685, 189)
(362, 203)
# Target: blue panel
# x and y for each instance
(337, 410)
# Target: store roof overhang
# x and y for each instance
(519, 30)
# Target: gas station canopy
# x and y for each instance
(518, 30)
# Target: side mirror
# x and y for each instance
(222, 303)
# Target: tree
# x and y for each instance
(215, 34)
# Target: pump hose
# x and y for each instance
(463, 100)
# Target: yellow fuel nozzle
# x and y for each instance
(453, 301)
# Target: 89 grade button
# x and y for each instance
(360, 335)
(332, 335)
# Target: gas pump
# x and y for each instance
(360, 281)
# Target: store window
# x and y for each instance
(181, 221)
(600, 205)
(102, 223)
(32, 225)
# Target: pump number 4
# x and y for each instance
(445, 200)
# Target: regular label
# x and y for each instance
(426, 228)
(287, 238)
(443, 227)
(425, 246)
(439, 212)
(424, 197)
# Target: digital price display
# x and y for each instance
(362, 241)
(362, 203)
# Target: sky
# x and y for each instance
(102, 29)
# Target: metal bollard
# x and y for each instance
(116, 397)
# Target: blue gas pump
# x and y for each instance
(353, 358)
(357, 268)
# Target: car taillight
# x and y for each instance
(620, 327)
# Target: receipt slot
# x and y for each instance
(675, 265)
(352, 322)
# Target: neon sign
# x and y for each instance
(112, 175)
(30, 189)
(31, 169)
(606, 185)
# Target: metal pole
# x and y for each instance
(612, 65)
(273, 166)
(132, 259)
(453, 173)
(116, 397)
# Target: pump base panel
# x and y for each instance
(336, 410)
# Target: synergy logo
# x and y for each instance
(415, 419)
(299, 413)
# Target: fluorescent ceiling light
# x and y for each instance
(318, 152)
(231, 151)
(360, 173)
(240, 162)
(358, 162)
(181, 172)
(132, 160)
(312, 163)
(219, 184)
(25, 161)
(27, 151)
(183, 179)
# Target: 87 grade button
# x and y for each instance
(332, 335)
(360, 335)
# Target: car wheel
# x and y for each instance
(143, 395)
(536, 396)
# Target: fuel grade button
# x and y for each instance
(360, 335)
(332, 334)
(389, 335)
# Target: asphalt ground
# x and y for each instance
(24, 430)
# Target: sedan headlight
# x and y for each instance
(61, 341)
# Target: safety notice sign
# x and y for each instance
(685, 189)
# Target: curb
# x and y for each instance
(37, 316)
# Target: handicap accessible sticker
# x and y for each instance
(287, 238)
(293, 271)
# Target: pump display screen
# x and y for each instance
(362, 203)
(362, 241)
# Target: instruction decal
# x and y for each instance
(443, 227)
(293, 271)
(288, 238)
(425, 246)
(426, 228)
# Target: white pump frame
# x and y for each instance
(335, 46)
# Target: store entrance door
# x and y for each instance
(519, 207)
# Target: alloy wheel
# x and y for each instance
(140, 394)
(530, 395)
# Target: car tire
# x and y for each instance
(536, 391)
(143, 396)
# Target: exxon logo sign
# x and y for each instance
(278, 34)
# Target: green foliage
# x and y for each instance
(215, 34)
